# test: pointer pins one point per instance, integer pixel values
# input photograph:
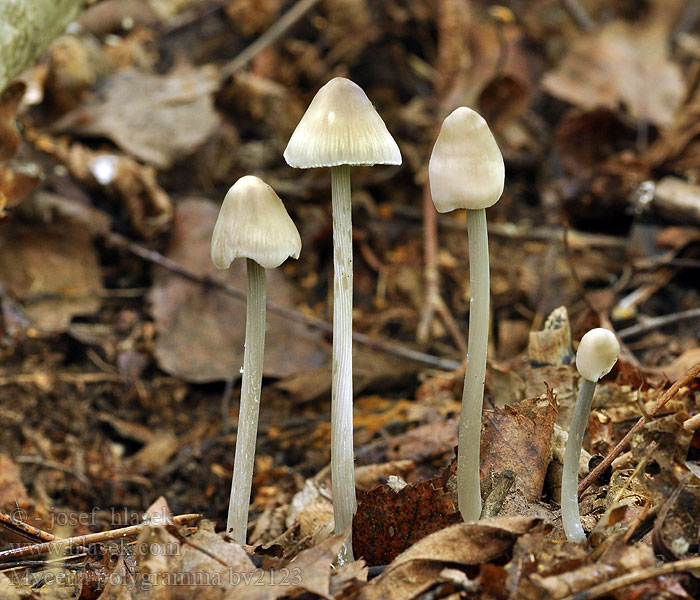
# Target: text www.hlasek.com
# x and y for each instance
(259, 577)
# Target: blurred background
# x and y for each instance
(121, 344)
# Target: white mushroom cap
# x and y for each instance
(253, 223)
(466, 167)
(341, 127)
(597, 353)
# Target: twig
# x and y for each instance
(433, 299)
(605, 589)
(658, 405)
(67, 544)
(275, 31)
(41, 380)
(52, 464)
(657, 322)
(579, 15)
(205, 280)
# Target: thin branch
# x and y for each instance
(579, 15)
(658, 405)
(61, 546)
(652, 323)
(277, 30)
(606, 589)
(174, 267)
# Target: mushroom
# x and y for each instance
(466, 170)
(596, 355)
(254, 224)
(341, 128)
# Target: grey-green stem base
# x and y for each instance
(468, 478)
(342, 455)
(569, 482)
(251, 384)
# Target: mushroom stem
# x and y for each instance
(569, 483)
(468, 478)
(342, 467)
(237, 523)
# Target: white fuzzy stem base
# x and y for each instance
(342, 456)
(468, 480)
(569, 480)
(237, 523)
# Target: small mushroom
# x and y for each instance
(340, 129)
(596, 355)
(254, 224)
(466, 170)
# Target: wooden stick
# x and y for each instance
(658, 405)
(66, 545)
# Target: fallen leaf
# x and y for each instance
(10, 100)
(462, 544)
(201, 331)
(13, 494)
(310, 571)
(52, 269)
(518, 437)
(388, 522)
(621, 64)
(156, 118)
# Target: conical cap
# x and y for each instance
(253, 223)
(341, 127)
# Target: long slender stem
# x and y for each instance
(569, 482)
(241, 483)
(468, 479)
(342, 467)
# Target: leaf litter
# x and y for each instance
(119, 144)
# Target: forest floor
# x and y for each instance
(121, 344)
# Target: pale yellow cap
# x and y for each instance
(253, 223)
(341, 127)
(597, 353)
(466, 167)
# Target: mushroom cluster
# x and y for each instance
(341, 129)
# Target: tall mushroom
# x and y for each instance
(340, 129)
(596, 355)
(254, 224)
(466, 171)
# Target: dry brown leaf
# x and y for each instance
(463, 544)
(156, 118)
(208, 578)
(518, 438)
(201, 331)
(52, 269)
(621, 65)
(310, 571)
(388, 522)
(13, 494)
(9, 103)
(430, 441)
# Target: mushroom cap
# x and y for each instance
(253, 223)
(466, 167)
(341, 127)
(597, 353)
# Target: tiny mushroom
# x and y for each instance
(340, 129)
(466, 170)
(596, 355)
(254, 224)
